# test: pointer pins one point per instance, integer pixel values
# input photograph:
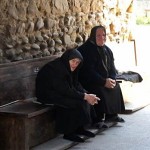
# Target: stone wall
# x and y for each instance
(39, 28)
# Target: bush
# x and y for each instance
(143, 20)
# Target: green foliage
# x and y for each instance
(142, 20)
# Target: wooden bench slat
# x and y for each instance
(25, 108)
(17, 79)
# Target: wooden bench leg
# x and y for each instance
(13, 131)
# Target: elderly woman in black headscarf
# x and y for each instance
(98, 75)
(57, 83)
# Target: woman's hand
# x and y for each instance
(110, 83)
(92, 99)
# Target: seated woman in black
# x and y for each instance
(98, 75)
(57, 83)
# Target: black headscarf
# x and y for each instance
(101, 49)
(68, 55)
(92, 36)
(71, 54)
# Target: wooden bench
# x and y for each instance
(23, 122)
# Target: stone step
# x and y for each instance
(131, 107)
(59, 143)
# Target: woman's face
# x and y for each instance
(74, 63)
(100, 37)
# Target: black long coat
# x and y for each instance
(56, 84)
(93, 76)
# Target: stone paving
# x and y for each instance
(134, 134)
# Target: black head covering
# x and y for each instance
(92, 37)
(68, 55)
(71, 54)
(101, 49)
(75, 54)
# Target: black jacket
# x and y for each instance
(55, 81)
(93, 71)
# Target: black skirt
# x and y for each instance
(111, 100)
(71, 118)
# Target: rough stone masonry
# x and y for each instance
(37, 28)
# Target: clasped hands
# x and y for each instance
(110, 83)
(92, 99)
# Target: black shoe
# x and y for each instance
(73, 137)
(115, 119)
(87, 133)
(119, 119)
(98, 119)
(102, 125)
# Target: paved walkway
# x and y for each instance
(132, 135)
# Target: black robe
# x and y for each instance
(93, 76)
(56, 84)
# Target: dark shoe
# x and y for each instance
(119, 119)
(102, 125)
(115, 119)
(73, 137)
(87, 133)
(98, 119)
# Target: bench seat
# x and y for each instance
(24, 123)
